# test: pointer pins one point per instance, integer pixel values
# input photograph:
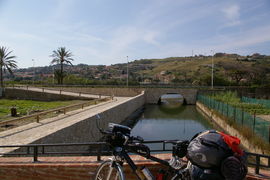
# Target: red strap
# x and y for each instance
(159, 176)
(233, 142)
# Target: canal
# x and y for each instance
(158, 122)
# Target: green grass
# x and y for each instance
(28, 106)
(232, 99)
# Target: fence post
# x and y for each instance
(64, 110)
(257, 168)
(227, 110)
(242, 118)
(60, 91)
(234, 113)
(80, 93)
(35, 153)
(42, 89)
(254, 121)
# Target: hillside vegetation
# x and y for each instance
(229, 69)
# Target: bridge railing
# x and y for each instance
(99, 149)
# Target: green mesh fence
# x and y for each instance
(259, 126)
(264, 102)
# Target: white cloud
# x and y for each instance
(232, 13)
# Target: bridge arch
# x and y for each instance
(173, 96)
(153, 95)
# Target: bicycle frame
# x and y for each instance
(121, 154)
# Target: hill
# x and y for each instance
(229, 69)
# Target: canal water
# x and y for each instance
(158, 122)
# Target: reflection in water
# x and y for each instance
(159, 123)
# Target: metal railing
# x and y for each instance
(99, 149)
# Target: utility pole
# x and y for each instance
(212, 77)
(127, 71)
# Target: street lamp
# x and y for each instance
(33, 71)
(212, 77)
(127, 71)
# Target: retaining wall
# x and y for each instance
(86, 129)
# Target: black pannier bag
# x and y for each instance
(208, 150)
(215, 155)
(204, 174)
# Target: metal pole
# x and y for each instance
(33, 71)
(127, 71)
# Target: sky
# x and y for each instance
(107, 31)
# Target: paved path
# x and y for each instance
(29, 133)
(59, 92)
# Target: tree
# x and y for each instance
(7, 62)
(61, 56)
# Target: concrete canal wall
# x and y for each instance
(229, 129)
(78, 128)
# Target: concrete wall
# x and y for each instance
(153, 94)
(40, 96)
(86, 129)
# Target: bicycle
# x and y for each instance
(121, 142)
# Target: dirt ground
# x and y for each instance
(265, 117)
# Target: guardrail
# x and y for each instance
(59, 110)
(97, 149)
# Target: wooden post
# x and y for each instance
(80, 93)
(64, 110)
(37, 118)
(60, 91)
(82, 106)
(42, 89)
(99, 96)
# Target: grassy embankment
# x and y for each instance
(232, 99)
(26, 107)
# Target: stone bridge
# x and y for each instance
(152, 95)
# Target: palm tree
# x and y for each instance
(7, 62)
(61, 56)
